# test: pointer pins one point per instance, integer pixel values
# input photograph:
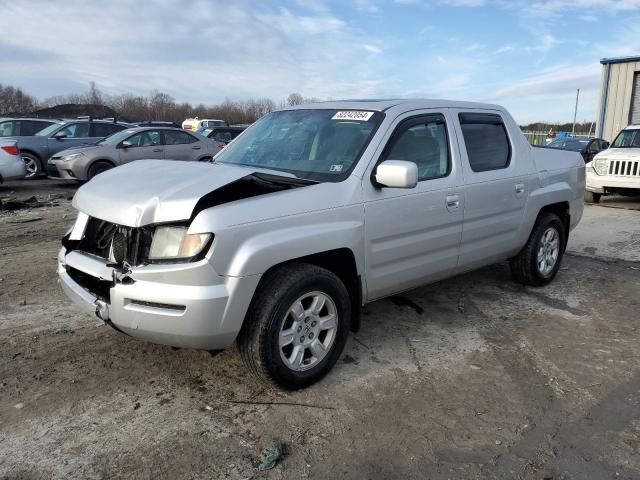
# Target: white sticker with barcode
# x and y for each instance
(79, 227)
(353, 115)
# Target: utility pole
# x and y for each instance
(575, 114)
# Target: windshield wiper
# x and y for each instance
(283, 180)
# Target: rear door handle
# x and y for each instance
(157, 149)
(196, 147)
(453, 202)
(520, 189)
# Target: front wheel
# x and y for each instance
(591, 197)
(297, 325)
(97, 168)
(538, 262)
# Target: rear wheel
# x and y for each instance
(297, 325)
(538, 262)
(591, 197)
(97, 168)
(34, 167)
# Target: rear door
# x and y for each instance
(412, 236)
(179, 145)
(146, 145)
(497, 179)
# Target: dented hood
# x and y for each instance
(152, 191)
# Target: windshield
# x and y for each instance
(322, 145)
(627, 139)
(45, 132)
(116, 138)
(205, 131)
(570, 143)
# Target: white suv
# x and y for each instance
(617, 169)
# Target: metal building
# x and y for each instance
(619, 103)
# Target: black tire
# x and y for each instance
(525, 267)
(34, 165)
(97, 168)
(205, 159)
(591, 197)
(278, 291)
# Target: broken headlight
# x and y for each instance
(174, 243)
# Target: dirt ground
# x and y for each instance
(473, 377)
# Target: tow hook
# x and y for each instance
(122, 276)
(102, 310)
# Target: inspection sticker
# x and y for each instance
(353, 115)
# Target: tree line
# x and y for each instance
(162, 106)
(156, 106)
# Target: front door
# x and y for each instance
(75, 135)
(146, 145)
(412, 236)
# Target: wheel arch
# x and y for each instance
(340, 261)
(563, 211)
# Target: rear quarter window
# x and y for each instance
(486, 141)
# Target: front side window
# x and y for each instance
(149, 138)
(627, 139)
(422, 141)
(76, 130)
(487, 142)
(319, 144)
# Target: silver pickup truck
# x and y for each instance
(309, 214)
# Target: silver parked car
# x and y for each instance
(11, 164)
(142, 143)
(309, 214)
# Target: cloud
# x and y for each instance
(235, 49)
(551, 83)
(504, 49)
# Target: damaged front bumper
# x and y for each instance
(182, 305)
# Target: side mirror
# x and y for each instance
(60, 135)
(397, 174)
(125, 144)
(606, 145)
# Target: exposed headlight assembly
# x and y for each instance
(73, 156)
(600, 165)
(174, 243)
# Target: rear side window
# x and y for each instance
(176, 137)
(31, 127)
(7, 129)
(102, 130)
(487, 142)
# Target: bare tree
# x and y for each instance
(295, 99)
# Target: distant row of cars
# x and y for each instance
(81, 148)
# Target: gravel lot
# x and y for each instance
(473, 377)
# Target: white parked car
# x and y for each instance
(195, 124)
(11, 164)
(617, 169)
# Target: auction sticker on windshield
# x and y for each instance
(353, 115)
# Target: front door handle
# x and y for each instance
(453, 202)
(519, 189)
(157, 149)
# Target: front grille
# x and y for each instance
(52, 171)
(115, 243)
(624, 168)
(100, 288)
